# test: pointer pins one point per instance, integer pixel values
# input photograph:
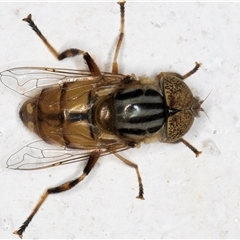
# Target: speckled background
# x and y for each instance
(185, 197)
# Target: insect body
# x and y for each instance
(103, 113)
(89, 114)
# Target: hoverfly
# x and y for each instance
(92, 113)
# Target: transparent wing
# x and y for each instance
(24, 80)
(39, 155)
(34, 156)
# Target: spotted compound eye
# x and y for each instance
(179, 101)
(177, 94)
(178, 125)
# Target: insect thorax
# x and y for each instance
(135, 113)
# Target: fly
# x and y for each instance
(91, 113)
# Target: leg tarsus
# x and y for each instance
(197, 66)
(190, 146)
(120, 39)
(131, 164)
(94, 156)
(182, 77)
(72, 52)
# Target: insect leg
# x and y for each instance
(183, 77)
(63, 187)
(131, 164)
(120, 39)
(197, 65)
(72, 52)
(190, 146)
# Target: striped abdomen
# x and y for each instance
(139, 112)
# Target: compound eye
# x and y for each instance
(178, 125)
(177, 94)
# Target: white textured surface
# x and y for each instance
(186, 197)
